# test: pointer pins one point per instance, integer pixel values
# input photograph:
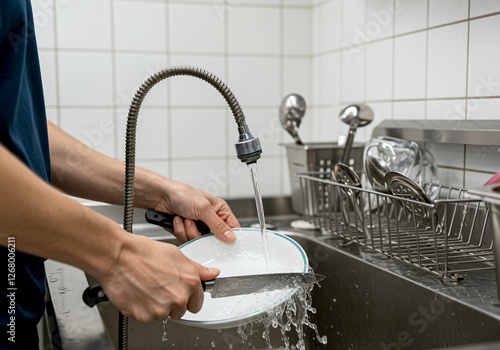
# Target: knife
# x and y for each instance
(230, 286)
(167, 221)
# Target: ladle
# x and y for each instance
(292, 109)
(376, 169)
(355, 116)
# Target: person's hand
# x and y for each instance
(193, 204)
(153, 280)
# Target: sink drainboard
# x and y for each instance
(454, 238)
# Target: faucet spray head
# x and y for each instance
(248, 147)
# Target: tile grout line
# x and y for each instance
(56, 62)
(113, 81)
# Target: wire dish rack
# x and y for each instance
(448, 237)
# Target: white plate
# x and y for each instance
(244, 256)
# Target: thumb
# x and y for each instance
(206, 273)
(220, 229)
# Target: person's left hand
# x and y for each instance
(193, 204)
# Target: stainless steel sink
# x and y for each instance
(367, 301)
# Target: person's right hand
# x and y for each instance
(153, 280)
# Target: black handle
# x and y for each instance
(94, 294)
(167, 221)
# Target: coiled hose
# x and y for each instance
(128, 205)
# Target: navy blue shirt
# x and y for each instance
(23, 130)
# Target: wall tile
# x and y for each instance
(240, 181)
(484, 72)
(296, 32)
(52, 115)
(73, 29)
(451, 177)
(327, 78)
(411, 15)
(447, 61)
(254, 30)
(255, 81)
(379, 21)
(297, 77)
(483, 7)
(447, 11)
(327, 26)
(264, 123)
(409, 66)
(202, 174)
(93, 127)
(49, 80)
(131, 70)
(151, 140)
(409, 110)
(353, 19)
(474, 179)
(206, 36)
(85, 79)
(198, 133)
(488, 108)
(486, 158)
(353, 76)
(140, 25)
(379, 70)
(159, 167)
(43, 16)
(448, 155)
(446, 109)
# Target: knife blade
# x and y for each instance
(240, 285)
(230, 286)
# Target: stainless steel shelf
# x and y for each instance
(469, 132)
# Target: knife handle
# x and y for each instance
(167, 221)
(94, 294)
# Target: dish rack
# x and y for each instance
(451, 242)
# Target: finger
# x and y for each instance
(196, 301)
(180, 230)
(191, 229)
(220, 229)
(177, 312)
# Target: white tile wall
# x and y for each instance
(435, 59)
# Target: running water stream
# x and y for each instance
(260, 210)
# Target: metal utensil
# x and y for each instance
(341, 173)
(376, 169)
(230, 286)
(402, 186)
(355, 116)
(292, 109)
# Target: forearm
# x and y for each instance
(82, 172)
(49, 224)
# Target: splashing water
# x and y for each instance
(260, 210)
(165, 336)
(294, 312)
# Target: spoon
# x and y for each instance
(355, 116)
(292, 109)
(341, 173)
(376, 169)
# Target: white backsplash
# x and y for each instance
(413, 59)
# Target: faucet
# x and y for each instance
(248, 148)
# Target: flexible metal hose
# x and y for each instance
(130, 145)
